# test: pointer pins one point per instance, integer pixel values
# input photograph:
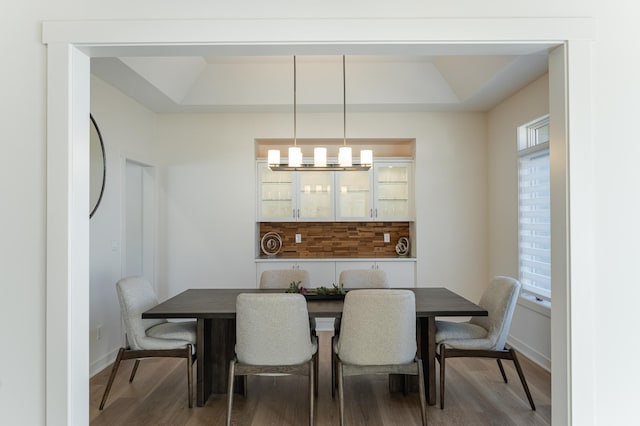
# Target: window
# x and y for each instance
(534, 214)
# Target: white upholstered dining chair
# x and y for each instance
(282, 278)
(147, 338)
(378, 336)
(272, 337)
(483, 337)
(363, 278)
(352, 279)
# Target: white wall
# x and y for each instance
(126, 129)
(616, 208)
(208, 193)
(613, 168)
(207, 201)
(530, 330)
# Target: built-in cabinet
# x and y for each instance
(399, 273)
(392, 190)
(383, 193)
(294, 196)
(325, 272)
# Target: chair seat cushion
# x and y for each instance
(185, 331)
(463, 335)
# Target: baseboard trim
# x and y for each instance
(103, 362)
(532, 354)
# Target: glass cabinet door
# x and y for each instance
(353, 196)
(315, 196)
(393, 191)
(276, 195)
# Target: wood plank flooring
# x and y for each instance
(476, 395)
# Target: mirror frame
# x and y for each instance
(104, 165)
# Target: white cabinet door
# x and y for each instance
(276, 195)
(393, 198)
(321, 273)
(265, 266)
(384, 193)
(294, 196)
(400, 274)
(354, 264)
(315, 196)
(354, 196)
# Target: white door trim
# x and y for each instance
(71, 43)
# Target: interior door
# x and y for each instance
(139, 235)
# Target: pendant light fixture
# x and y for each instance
(295, 160)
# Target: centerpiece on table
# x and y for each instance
(328, 293)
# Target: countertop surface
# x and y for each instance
(334, 259)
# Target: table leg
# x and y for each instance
(428, 355)
(203, 356)
(216, 341)
(224, 341)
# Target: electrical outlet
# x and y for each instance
(387, 237)
(99, 332)
(298, 238)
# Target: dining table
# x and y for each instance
(215, 309)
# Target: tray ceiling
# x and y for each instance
(442, 78)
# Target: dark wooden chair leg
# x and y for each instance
(190, 374)
(340, 393)
(313, 389)
(232, 367)
(315, 371)
(423, 395)
(134, 370)
(114, 370)
(442, 356)
(334, 371)
(504, 375)
(522, 378)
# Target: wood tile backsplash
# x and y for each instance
(337, 239)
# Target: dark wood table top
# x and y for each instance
(221, 303)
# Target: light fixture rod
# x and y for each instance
(294, 103)
(344, 102)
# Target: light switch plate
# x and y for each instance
(387, 237)
(298, 238)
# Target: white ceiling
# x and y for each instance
(423, 78)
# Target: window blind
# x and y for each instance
(534, 223)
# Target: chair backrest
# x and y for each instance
(272, 329)
(499, 299)
(282, 278)
(136, 295)
(364, 278)
(378, 327)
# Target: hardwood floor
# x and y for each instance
(476, 395)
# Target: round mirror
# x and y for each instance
(97, 167)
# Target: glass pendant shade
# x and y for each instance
(320, 157)
(366, 157)
(344, 156)
(295, 156)
(273, 157)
